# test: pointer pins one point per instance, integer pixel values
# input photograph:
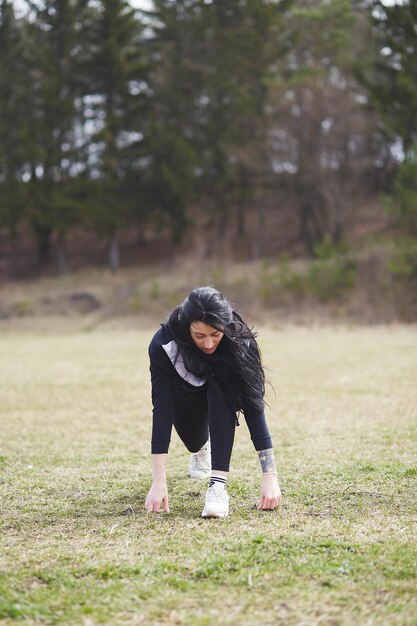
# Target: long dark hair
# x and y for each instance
(238, 351)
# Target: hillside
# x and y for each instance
(353, 288)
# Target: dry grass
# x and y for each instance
(78, 548)
(304, 290)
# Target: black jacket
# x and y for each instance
(169, 375)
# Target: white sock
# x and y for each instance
(217, 481)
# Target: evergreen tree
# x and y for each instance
(54, 43)
(13, 144)
(392, 79)
(402, 204)
(240, 45)
(211, 85)
(114, 71)
(174, 82)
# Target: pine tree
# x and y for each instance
(13, 145)
(114, 71)
(239, 48)
(392, 79)
(53, 44)
(170, 157)
(211, 86)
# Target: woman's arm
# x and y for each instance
(158, 493)
(162, 400)
(270, 492)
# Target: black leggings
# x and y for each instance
(198, 414)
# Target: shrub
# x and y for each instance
(402, 205)
(290, 279)
(333, 272)
(328, 277)
(404, 261)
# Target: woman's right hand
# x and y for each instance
(157, 495)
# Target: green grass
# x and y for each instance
(77, 547)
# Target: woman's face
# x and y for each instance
(205, 337)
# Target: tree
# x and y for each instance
(13, 126)
(241, 46)
(53, 44)
(392, 78)
(210, 82)
(174, 83)
(113, 71)
(391, 81)
(324, 141)
(402, 204)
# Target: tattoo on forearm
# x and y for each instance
(267, 460)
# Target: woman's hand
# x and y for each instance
(270, 492)
(157, 495)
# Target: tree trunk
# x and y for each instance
(114, 257)
(14, 256)
(221, 224)
(259, 247)
(241, 220)
(305, 229)
(262, 232)
(43, 237)
(61, 258)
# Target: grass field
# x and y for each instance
(78, 548)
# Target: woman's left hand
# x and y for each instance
(271, 496)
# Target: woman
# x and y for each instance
(205, 368)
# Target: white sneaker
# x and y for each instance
(200, 462)
(217, 503)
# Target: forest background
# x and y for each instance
(276, 137)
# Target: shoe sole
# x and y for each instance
(212, 514)
(199, 475)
